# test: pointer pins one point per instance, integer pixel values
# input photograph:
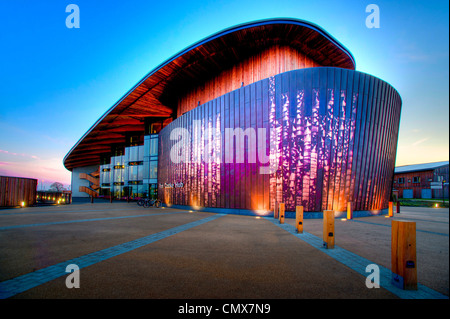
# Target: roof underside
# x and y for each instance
(154, 95)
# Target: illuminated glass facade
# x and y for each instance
(133, 174)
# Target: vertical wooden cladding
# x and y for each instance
(15, 190)
(334, 135)
(417, 181)
(269, 62)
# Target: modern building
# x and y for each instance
(428, 180)
(263, 112)
(17, 191)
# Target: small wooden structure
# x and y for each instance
(17, 191)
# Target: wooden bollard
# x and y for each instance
(328, 229)
(349, 210)
(299, 219)
(391, 210)
(281, 206)
(403, 255)
(275, 211)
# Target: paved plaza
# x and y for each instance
(130, 252)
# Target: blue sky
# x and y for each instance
(55, 82)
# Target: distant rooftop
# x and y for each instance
(419, 167)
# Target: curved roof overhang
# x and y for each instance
(153, 95)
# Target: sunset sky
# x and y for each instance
(55, 82)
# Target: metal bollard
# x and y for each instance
(281, 206)
(398, 207)
(328, 229)
(299, 218)
(403, 255)
(349, 210)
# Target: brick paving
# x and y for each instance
(172, 253)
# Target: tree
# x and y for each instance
(57, 187)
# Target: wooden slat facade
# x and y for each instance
(264, 64)
(417, 181)
(15, 190)
(335, 136)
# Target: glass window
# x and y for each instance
(153, 145)
(153, 191)
(146, 148)
(105, 174)
(140, 171)
(155, 127)
(133, 153)
(140, 152)
(153, 169)
(117, 191)
(132, 172)
(145, 170)
(134, 140)
(144, 189)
